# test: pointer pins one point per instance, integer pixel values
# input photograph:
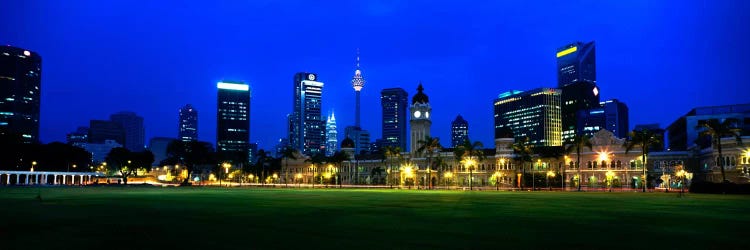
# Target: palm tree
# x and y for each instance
(390, 153)
(429, 145)
(337, 158)
(716, 130)
(189, 154)
(288, 153)
(262, 159)
(470, 150)
(643, 139)
(522, 151)
(579, 142)
(316, 159)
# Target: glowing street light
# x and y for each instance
(550, 174)
(298, 176)
(469, 163)
(407, 173)
(33, 164)
(497, 175)
(448, 176)
(682, 174)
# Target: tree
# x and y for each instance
(429, 145)
(337, 158)
(470, 150)
(142, 160)
(118, 160)
(315, 160)
(643, 139)
(522, 154)
(262, 159)
(716, 130)
(391, 153)
(288, 153)
(579, 142)
(189, 154)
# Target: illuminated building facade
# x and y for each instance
(420, 122)
(394, 102)
(233, 121)
(576, 77)
(20, 92)
(188, 127)
(459, 131)
(534, 114)
(306, 125)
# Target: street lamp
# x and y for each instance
(275, 178)
(298, 176)
(682, 174)
(33, 164)
(550, 174)
(226, 166)
(610, 176)
(407, 172)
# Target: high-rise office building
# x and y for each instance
(135, 133)
(534, 114)
(576, 77)
(394, 102)
(331, 135)
(612, 115)
(360, 137)
(188, 127)
(306, 125)
(459, 131)
(420, 120)
(103, 130)
(20, 87)
(78, 138)
(233, 121)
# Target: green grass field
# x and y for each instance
(140, 217)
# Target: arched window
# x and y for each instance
(612, 164)
(733, 161)
(595, 164)
(572, 165)
(632, 164)
(619, 164)
(604, 164)
(589, 164)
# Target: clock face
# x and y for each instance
(311, 77)
(417, 114)
(427, 114)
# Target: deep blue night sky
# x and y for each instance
(660, 57)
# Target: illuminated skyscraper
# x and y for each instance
(534, 114)
(331, 135)
(20, 92)
(188, 130)
(576, 77)
(233, 121)
(357, 83)
(306, 125)
(394, 102)
(459, 131)
(360, 136)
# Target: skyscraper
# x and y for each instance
(331, 135)
(459, 131)
(394, 102)
(612, 115)
(79, 138)
(576, 77)
(188, 127)
(420, 118)
(233, 121)
(306, 125)
(20, 87)
(103, 130)
(534, 114)
(135, 133)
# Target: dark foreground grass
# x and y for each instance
(138, 218)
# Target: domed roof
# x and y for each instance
(347, 143)
(420, 97)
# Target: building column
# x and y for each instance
(18, 176)
(27, 179)
(63, 179)
(54, 179)
(37, 179)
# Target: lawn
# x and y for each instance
(150, 217)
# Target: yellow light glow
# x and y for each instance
(550, 174)
(567, 51)
(298, 176)
(603, 156)
(275, 176)
(327, 175)
(610, 174)
(448, 175)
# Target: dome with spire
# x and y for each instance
(347, 143)
(420, 97)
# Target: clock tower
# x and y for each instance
(420, 115)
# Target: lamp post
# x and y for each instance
(407, 171)
(275, 178)
(226, 166)
(550, 174)
(298, 178)
(33, 164)
(610, 177)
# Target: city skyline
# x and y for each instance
(666, 67)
